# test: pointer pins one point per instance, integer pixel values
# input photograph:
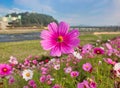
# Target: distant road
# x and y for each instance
(99, 33)
(19, 37)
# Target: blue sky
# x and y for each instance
(75, 12)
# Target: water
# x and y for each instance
(19, 37)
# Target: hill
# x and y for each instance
(31, 19)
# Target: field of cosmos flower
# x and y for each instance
(69, 64)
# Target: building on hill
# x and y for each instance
(4, 21)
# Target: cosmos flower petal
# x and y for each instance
(73, 34)
(45, 34)
(66, 49)
(63, 28)
(74, 42)
(52, 27)
(108, 46)
(47, 44)
(55, 51)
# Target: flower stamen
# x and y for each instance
(5, 69)
(28, 74)
(60, 39)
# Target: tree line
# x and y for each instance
(31, 19)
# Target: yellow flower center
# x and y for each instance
(5, 69)
(87, 67)
(60, 39)
(98, 52)
(28, 74)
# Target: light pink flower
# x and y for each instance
(117, 69)
(68, 69)
(49, 82)
(58, 40)
(44, 73)
(13, 60)
(108, 46)
(87, 67)
(5, 70)
(44, 69)
(26, 87)
(74, 73)
(57, 66)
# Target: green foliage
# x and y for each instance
(32, 19)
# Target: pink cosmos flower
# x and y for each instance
(87, 84)
(11, 80)
(74, 73)
(34, 62)
(58, 40)
(86, 48)
(34, 86)
(84, 84)
(5, 70)
(93, 84)
(43, 78)
(87, 67)
(44, 69)
(56, 86)
(27, 62)
(109, 61)
(31, 83)
(48, 77)
(49, 82)
(98, 50)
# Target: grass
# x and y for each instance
(17, 31)
(20, 49)
(25, 48)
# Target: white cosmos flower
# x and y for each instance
(27, 74)
(77, 55)
(117, 69)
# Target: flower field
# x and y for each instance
(73, 62)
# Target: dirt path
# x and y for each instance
(99, 33)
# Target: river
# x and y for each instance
(19, 37)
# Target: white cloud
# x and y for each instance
(4, 10)
(113, 13)
(35, 5)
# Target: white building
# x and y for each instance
(5, 20)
